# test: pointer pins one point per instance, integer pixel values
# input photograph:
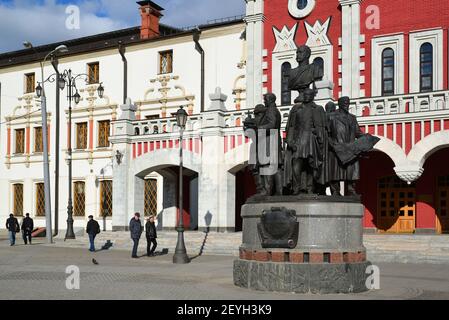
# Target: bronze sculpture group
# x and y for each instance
(321, 148)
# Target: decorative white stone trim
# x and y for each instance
(409, 173)
(427, 146)
(378, 45)
(317, 34)
(434, 37)
(300, 13)
(285, 38)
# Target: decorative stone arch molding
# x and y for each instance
(427, 146)
(165, 96)
(163, 158)
(413, 168)
(392, 150)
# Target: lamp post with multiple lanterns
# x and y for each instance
(180, 255)
(40, 92)
(67, 78)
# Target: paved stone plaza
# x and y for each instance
(38, 272)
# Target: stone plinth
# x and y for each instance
(329, 256)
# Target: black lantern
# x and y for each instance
(119, 157)
(61, 82)
(181, 117)
(77, 97)
(100, 91)
(39, 90)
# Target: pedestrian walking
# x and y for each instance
(92, 229)
(27, 228)
(135, 227)
(151, 233)
(12, 225)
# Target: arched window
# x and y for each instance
(388, 72)
(286, 96)
(426, 67)
(319, 63)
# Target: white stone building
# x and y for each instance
(163, 72)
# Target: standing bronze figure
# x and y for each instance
(347, 143)
(267, 122)
(303, 143)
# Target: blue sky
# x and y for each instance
(44, 21)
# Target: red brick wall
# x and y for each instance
(402, 17)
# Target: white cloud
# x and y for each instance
(46, 22)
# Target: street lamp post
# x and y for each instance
(40, 92)
(180, 256)
(67, 78)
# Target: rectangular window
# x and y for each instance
(106, 198)
(93, 72)
(20, 141)
(40, 200)
(166, 62)
(18, 199)
(103, 133)
(79, 199)
(81, 135)
(150, 197)
(30, 82)
(38, 141)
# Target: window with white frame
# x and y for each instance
(387, 55)
(426, 60)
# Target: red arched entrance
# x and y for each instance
(244, 188)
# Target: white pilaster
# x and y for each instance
(351, 47)
(254, 38)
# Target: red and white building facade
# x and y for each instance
(391, 59)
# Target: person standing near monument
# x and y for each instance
(151, 235)
(135, 228)
(27, 228)
(12, 225)
(92, 229)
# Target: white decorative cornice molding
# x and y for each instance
(349, 2)
(253, 18)
(285, 39)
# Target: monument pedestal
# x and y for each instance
(324, 255)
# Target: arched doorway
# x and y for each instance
(164, 194)
(244, 189)
(433, 192)
(374, 166)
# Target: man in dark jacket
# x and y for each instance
(151, 234)
(12, 225)
(92, 229)
(135, 227)
(27, 228)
